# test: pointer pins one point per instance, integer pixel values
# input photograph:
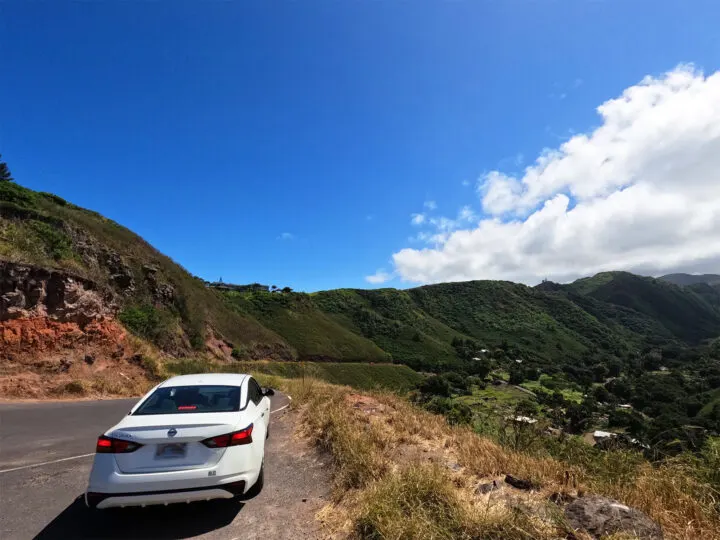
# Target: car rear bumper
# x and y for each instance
(113, 500)
(108, 486)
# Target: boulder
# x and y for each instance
(486, 487)
(518, 483)
(600, 516)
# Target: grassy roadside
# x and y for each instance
(363, 376)
(404, 473)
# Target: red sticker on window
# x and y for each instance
(187, 407)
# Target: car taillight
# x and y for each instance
(236, 438)
(108, 445)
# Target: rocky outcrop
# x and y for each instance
(600, 517)
(162, 292)
(28, 291)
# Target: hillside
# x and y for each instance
(101, 271)
(691, 279)
(685, 314)
(150, 293)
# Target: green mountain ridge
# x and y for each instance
(429, 328)
(691, 279)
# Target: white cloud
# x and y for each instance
(640, 193)
(430, 205)
(286, 236)
(417, 219)
(466, 183)
(381, 276)
(466, 214)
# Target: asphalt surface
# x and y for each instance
(45, 457)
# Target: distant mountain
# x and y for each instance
(685, 314)
(691, 279)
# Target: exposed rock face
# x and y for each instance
(27, 291)
(162, 292)
(120, 274)
(600, 516)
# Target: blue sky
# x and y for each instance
(290, 142)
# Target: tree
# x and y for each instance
(287, 290)
(5, 175)
(435, 386)
(457, 382)
(599, 372)
(614, 368)
(517, 376)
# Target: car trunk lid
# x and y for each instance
(172, 441)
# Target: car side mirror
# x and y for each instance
(268, 392)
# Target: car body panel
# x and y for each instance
(138, 476)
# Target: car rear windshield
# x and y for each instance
(191, 399)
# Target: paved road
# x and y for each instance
(45, 456)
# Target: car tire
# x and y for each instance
(257, 487)
(267, 433)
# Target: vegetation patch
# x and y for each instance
(406, 473)
(397, 378)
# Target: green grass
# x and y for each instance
(363, 376)
(495, 399)
(312, 333)
(568, 393)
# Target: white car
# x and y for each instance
(191, 438)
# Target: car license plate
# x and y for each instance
(170, 451)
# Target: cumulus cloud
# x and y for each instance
(417, 219)
(286, 236)
(381, 276)
(430, 205)
(641, 192)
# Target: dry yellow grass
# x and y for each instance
(404, 473)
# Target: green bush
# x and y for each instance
(435, 386)
(54, 198)
(460, 413)
(153, 367)
(239, 353)
(17, 194)
(57, 244)
(147, 322)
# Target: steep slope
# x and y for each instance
(540, 324)
(685, 314)
(312, 333)
(151, 294)
(390, 318)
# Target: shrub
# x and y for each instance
(153, 367)
(147, 322)
(239, 353)
(517, 376)
(459, 414)
(57, 244)
(439, 405)
(435, 386)
(76, 387)
(54, 198)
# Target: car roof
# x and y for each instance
(228, 379)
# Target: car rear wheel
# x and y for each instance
(257, 487)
